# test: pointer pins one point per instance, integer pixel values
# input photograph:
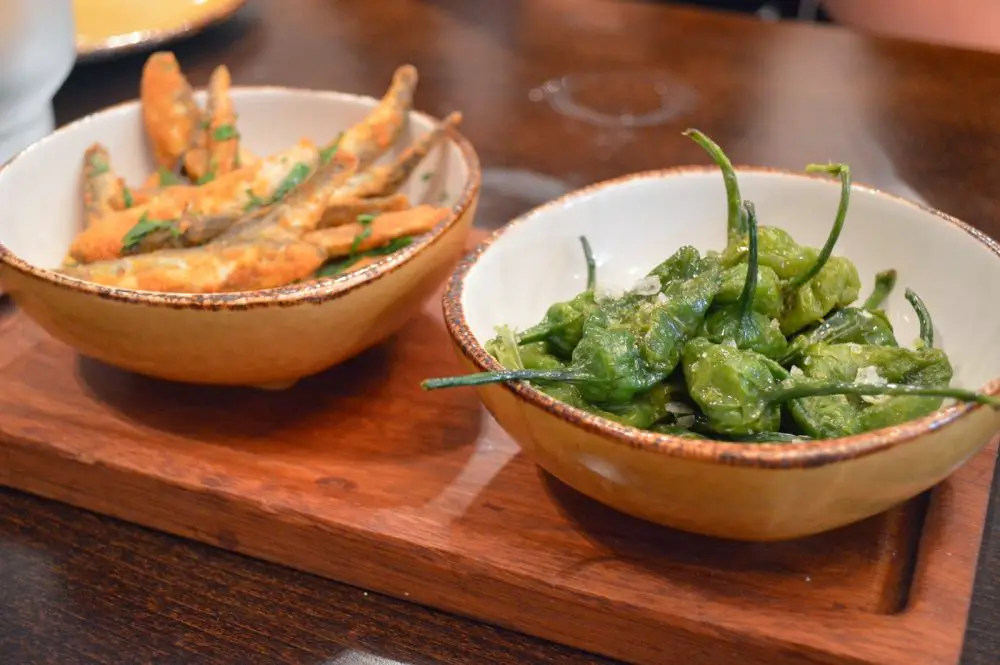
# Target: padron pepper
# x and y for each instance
(739, 322)
(864, 325)
(740, 393)
(562, 326)
(736, 221)
(628, 345)
(839, 415)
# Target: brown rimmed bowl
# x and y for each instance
(742, 491)
(267, 338)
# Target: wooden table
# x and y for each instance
(914, 120)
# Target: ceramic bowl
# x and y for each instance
(740, 491)
(267, 338)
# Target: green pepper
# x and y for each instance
(868, 325)
(682, 265)
(923, 317)
(831, 281)
(740, 392)
(630, 344)
(885, 282)
(736, 220)
(739, 322)
(839, 415)
(562, 327)
(767, 298)
(813, 282)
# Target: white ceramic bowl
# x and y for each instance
(755, 492)
(269, 337)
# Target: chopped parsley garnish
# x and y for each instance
(127, 197)
(98, 165)
(427, 176)
(255, 201)
(168, 178)
(143, 228)
(327, 153)
(225, 133)
(294, 178)
(336, 267)
(207, 178)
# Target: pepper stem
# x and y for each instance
(503, 376)
(588, 255)
(818, 390)
(736, 222)
(885, 282)
(750, 285)
(924, 317)
(842, 171)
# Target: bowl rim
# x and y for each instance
(316, 291)
(801, 455)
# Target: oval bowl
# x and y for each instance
(266, 338)
(740, 491)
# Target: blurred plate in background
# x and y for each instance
(107, 28)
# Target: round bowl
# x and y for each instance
(267, 338)
(732, 490)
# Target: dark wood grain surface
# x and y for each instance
(919, 121)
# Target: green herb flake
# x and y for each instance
(427, 176)
(208, 177)
(225, 133)
(444, 196)
(254, 202)
(366, 219)
(98, 165)
(366, 232)
(167, 178)
(143, 228)
(205, 123)
(327, 153)
(294, 178)
(336, 267)
(127, 197)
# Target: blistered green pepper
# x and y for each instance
(832, 281)
(630, 344)
(839, 415)
(739, 322)
(736, 220)
(740, 392)
(767, 297)
(681, 266)
(867, 325)
(562, 326)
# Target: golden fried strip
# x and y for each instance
(352, 238)
(261, 252)
(369, 139)
(233, 193)
(103, 191)
(384, 180)
(223, 139)
(260, 264)
(169, 111)
(301, 211)
(346, 210)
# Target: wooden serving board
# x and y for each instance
(359, 476)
